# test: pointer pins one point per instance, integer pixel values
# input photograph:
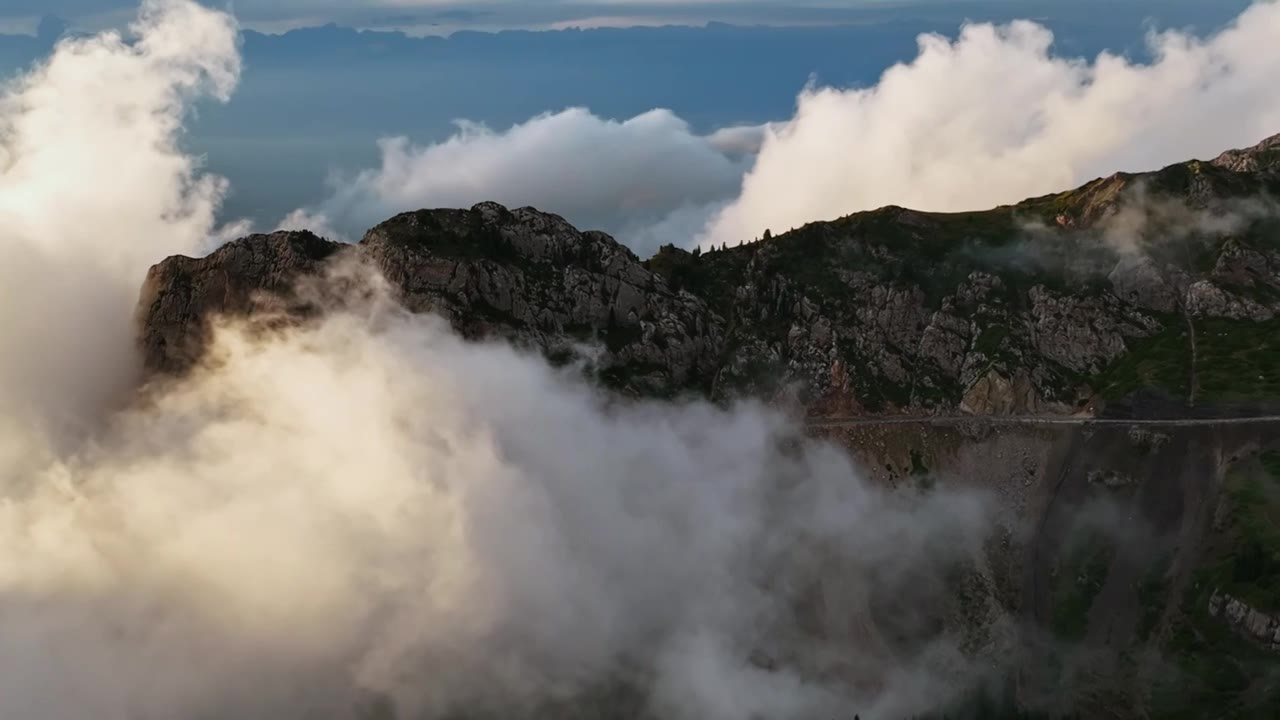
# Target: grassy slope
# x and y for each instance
(1237, 360)
(1212, 670)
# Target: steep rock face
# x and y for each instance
(1206, 299)
(1017, 310)
(1084, 334)
(533, 278)
(526, 276)
(252, 275)
(1014, 311)
(1252, 623)
(1142, 283)
(1116, 552)
(1263, 157)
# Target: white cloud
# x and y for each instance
(316, 222)
(371, 505)
(991, 117)
(739, 139)
(92, 191)
(994, 117)
(375, 506)
(619, 176)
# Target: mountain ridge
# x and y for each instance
(1128, 568)
(1054, 305)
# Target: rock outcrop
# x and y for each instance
(522, 275)
(1259, 627)
(253, 275)
(1263, 157)
(1024, 310)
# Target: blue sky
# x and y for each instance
(431, 16)
(443, 16)
(313, 105)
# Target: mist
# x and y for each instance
(366, 512)
(371, 505)
(93, 189)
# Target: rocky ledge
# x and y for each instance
(1259, 627)
(523, 275)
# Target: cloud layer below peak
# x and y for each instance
(369, 516)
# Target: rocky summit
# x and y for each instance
(1166, 281)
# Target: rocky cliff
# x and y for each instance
(1048, 306)
(1136, 562)
(520, 274)
(1133, 570)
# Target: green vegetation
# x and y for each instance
(1270, 461)
(988, 343)
(1237, 361)
(1153, 594)
(625, 377)
(924, 481)
(918, 467)
(874, 391)
(1161, 361)
(932, 390)
(449, 233)
(1080, 579)
(712, 276)
(1250, 567)
(1076, 205)
(1217, 672)
(760, 376)
(934, 251)
(1051, 241)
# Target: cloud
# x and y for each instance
(993, 117)
(373, 507)
(368, 509)
(623, 177)
(739, 140)
(989, 118)
(93, 189)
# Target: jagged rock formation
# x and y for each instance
(252, 275)
(1026, 309)
(520, 274)
(1258, 626)
(1265, 156)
